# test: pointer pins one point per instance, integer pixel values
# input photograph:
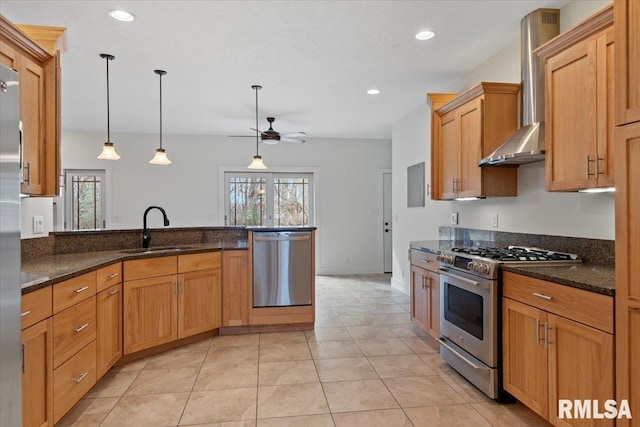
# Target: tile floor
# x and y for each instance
(365, 364)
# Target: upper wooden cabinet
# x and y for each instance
(579, 105)
(627, 18)
(467, 129)
(32, 51)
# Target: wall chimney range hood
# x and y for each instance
(527, 144)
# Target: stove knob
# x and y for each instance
(484, 268)
(471, 265)
(450, 259)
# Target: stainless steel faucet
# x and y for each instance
(146, 233)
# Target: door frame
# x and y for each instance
(381, 173)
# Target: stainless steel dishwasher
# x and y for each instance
(282, 268)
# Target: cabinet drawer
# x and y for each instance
(195, 262)
(73, 329)
(425, 260)
(72, 291)
(586, 307)
(73, 379)
(109, 276)
(36, 306)
(150, 267)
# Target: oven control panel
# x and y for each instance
(471, 264)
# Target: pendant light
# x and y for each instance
(160, 157)
(256, 162)
(108, 150)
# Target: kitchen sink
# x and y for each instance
(157, 249)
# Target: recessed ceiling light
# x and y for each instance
(373, 91)
(425, 35)
(122, 15)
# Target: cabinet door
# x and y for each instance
(199, 302)
(32, 115)
(419, 297)
(235, 288)
(450, 150)
(9, 57)
(150, 312)
(433, 308)
(571, 118)
(37, 378)
(606, 108)
(627, 19)
(524, 355)
(470, 184)
(109, 328)
(580, 367)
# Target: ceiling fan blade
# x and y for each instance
(254, 129)
(294, 140)
(294, 134)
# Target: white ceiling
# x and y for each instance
(315, 60)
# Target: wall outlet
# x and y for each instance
(494, 222)
(454, 218)
(38, 224)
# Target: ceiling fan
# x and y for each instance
(271, 136)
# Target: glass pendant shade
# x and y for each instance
(160, 158)
(108, 152)
(257, 163)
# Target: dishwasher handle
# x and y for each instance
(282, 238)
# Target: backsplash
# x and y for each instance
(592, 251)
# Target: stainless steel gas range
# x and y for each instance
(470, 307)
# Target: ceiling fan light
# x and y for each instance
(160, 158)
(122, 15)
(257, 163)
(425, 35)
(108, 152)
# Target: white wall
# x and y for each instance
(346, 204)
(533, 211)
(35, 206)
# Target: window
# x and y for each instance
(271, 199)
(84, 199)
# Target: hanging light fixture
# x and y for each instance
(108, 150)
(160, 157)
(256, 162)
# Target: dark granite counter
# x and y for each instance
(47, 270)
(267, 228)
(593, 278)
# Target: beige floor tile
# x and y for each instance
(189, 356)
(334, 349)
(507, 415)
(292, 372)
(342, 302)
(283, 337)
(306, 421)
(370, 332)
(291, 400)
(401, 299)
(246, 423)
(113, 384)
(234, 404)
(394, 318)
(357, 368)
(422, 391)
(351, 310)
(387, 308)
(232, 355)
(464, 388)
(359, 320)
(170, 380)
(328, 321)
(436, 363)
(215, 377)
(360, 395)
(383, 347)
(403, 365)
(328, 334)
(284, 352)
(407, 330)
(152, 411)
(135, 366)
(446, 416)
(384, 418)
(406, 307)
(88, 412)
(236, 340)
(419, 344)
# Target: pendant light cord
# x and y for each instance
(160, 111)
(108, 109)
(257, 88)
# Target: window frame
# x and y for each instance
(68, 196)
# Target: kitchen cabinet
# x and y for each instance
(73, 329)
(235, 288)
(39, 71)
(200, 293)
(109, 328)
(425, 292)
(37, 375)
(73, 379)
(557, 344)
(627, 61)
(579, 105)
(467, 129)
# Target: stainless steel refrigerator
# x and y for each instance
(10, 284)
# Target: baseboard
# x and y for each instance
(400, 285)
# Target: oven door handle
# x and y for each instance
(462, 279)
(443, 343)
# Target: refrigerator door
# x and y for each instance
(10, 285)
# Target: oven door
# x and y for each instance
(469, 313)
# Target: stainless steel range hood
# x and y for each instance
(527, 144)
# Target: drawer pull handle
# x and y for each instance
(113, 292)
(81, 377)
(113, 276)
(25, 313)
(77, 291)
(543, 296)
(80, 328)
(426, 261)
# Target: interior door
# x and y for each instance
(387, 237)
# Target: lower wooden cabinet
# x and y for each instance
(73, 379)
(109, 328)
(199, 302)
(37, 378)
(235, 288)
(425, 293)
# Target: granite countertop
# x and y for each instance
(265, 228)
(48, 270)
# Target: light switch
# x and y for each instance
(38, 224)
